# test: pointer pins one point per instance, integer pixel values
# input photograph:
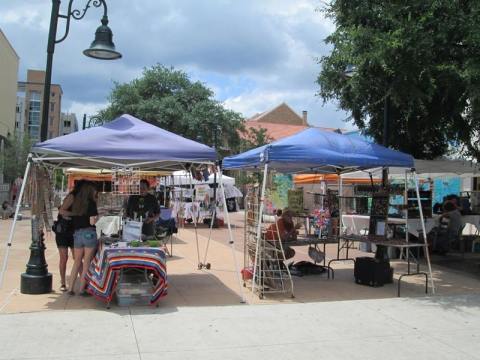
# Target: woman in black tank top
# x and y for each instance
(83, 211)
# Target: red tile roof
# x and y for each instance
(275, 131)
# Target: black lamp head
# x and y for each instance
(102, 47)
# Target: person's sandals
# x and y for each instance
(63, 288)
(71, 293)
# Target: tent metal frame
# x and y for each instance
(56, 159)
(339, 171)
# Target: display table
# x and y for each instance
(103, 275)
(355, 224)
(315, 241)
(399, 244)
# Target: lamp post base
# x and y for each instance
(36, 279)
(36, 284)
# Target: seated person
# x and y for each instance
(450, 226)
(286, 228)
(144, 206)
(7, 210)
(454, 199)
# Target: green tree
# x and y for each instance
(14, 159)
(420, 55)
(251, 138)
(167, 98)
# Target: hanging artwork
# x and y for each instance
(295, 201)
(279, 190)
(125, 181)
(39, 193)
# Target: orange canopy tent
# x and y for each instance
(329, 178)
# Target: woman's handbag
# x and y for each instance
(62, 226)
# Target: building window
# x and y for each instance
(50, 121)
(34, 115)
(17, 109)
(34, 132)
(67, 123)
(35, 96)
(50, 134)
(52, 106)
(53, 94)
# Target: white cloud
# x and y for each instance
(87, 108)
(252, 54)
(32, 15)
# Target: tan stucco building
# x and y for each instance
(8, 85)
(31, 93)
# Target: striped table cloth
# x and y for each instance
(104, 271)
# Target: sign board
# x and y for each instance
(202, 192)
(379, 213)
(295, 201)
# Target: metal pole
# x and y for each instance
(194, 217)
(48, 70)
(215, 135)
(259, 226)
(232, 241)
(427, 255)
(385, 121)
(84, 125)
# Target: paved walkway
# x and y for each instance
(420, 328)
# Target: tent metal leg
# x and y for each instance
(259, 227)
(199, 264)
(205, 264)
(17, 210)
(232, 240)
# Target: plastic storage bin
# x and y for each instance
(134, 289)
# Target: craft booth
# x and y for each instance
(319, 152)
(127, 149)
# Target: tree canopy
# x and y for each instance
(14, 157)
(167, 98)
(423, 56)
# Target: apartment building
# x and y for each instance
(29, 106)
(8, 85)
(68, 124)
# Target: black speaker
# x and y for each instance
(372, 272)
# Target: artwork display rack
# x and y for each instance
(264, 259)
(125, 181)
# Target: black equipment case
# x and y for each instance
(372, 272)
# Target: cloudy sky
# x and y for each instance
(254, 54)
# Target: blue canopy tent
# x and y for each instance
(319, 151)
(126, 142)
(322, 152)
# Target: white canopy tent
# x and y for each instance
(182, 177)
(424, 168)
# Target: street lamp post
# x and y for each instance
(350, 71)
(215, 139)
(37, 279)
(101, 48)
